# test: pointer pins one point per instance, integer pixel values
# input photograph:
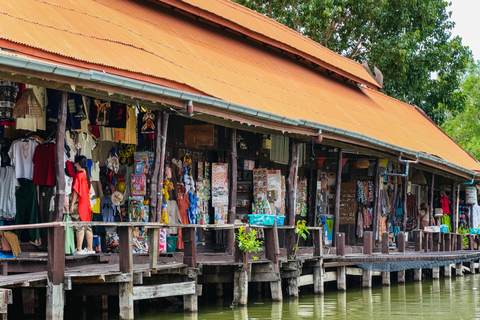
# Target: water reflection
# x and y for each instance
(455, 298)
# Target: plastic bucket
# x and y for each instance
(171, 243)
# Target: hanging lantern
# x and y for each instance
(27, 106)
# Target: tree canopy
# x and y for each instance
(464, 127)
(409, 41)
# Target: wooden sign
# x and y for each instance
(347, 202)
(199, 135)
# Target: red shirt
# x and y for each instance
(44, 165)
(80, 184)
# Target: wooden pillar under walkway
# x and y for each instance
(342, 278)
(417, 274)
(56, 235)
(401, 276)
(232, 195)
(318, 283)
(447, 271)
(366, 278)
(190, 302)
(386, 278)
(338, 183)
(272, 253)
(436, 273)
(459, 269)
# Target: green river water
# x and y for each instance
(455, 298)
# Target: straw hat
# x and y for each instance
(419, 178)
(117, 198)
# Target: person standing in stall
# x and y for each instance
(80, 206)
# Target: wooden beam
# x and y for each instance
(305, 280)
(59, 163)
(165, 117)
(405, 207)
(56, 255)
(190, 248)
(153, 171)
(376, 203)
(338, 182)
(432, 185)
(152, 234)
(291, 195)
(232, 196)
(125, 249)
(164, 290)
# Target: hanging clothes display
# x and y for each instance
(44, 164)
(21, 155)
(8, 183)
(27, 212)
(8, 96)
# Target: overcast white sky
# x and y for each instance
(466, 14)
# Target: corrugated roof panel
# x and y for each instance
(146, 40)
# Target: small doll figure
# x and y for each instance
(148, 118)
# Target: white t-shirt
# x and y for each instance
(86, 144)
(7, 193)
(95, 172)
(21, 155)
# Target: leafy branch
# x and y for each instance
(301, 231)
(248, 242)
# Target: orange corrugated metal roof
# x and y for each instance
(135, 39)
(245, 18)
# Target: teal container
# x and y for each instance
(171, 243)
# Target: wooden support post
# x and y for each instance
(455, 206)
(154, 170)
(240, 287)
(459, 269)
(448, 241)
(125, 289)
(401, 241)
(447, 271)
(472, 267)
(125, 300)
(59, 162)
(432, 185)
(405, 207)
(340, 243)
(436, 273)
(417, 274)
(318, 243)
(417, 237)
(232, 195)
(385, 246)
(338, 183)
(442, 241)
(161, 169)
(386, 278)
(276, 289)
(376, 202)
(459, 242)
(153, 247)
(291, 192)
(426, 237)
(272, 246)
(367, 243)
(401, 276)
(318, 284)
(55, 272)
(471, 241)
(453, 242)
(292, 287)
(190, 247)
(125, 249)
(342, 278)
(436, 241)
(366, 278)
(4, 268)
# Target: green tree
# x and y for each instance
(407, 40)
(464, 126)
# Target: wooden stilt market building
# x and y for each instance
(230, 86)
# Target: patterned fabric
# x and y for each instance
(8, 95)
(361, 196)
(367, 217)
(370, 191)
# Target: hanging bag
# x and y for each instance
(399, 210)
(5, 245)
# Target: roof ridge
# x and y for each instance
(197, 7)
